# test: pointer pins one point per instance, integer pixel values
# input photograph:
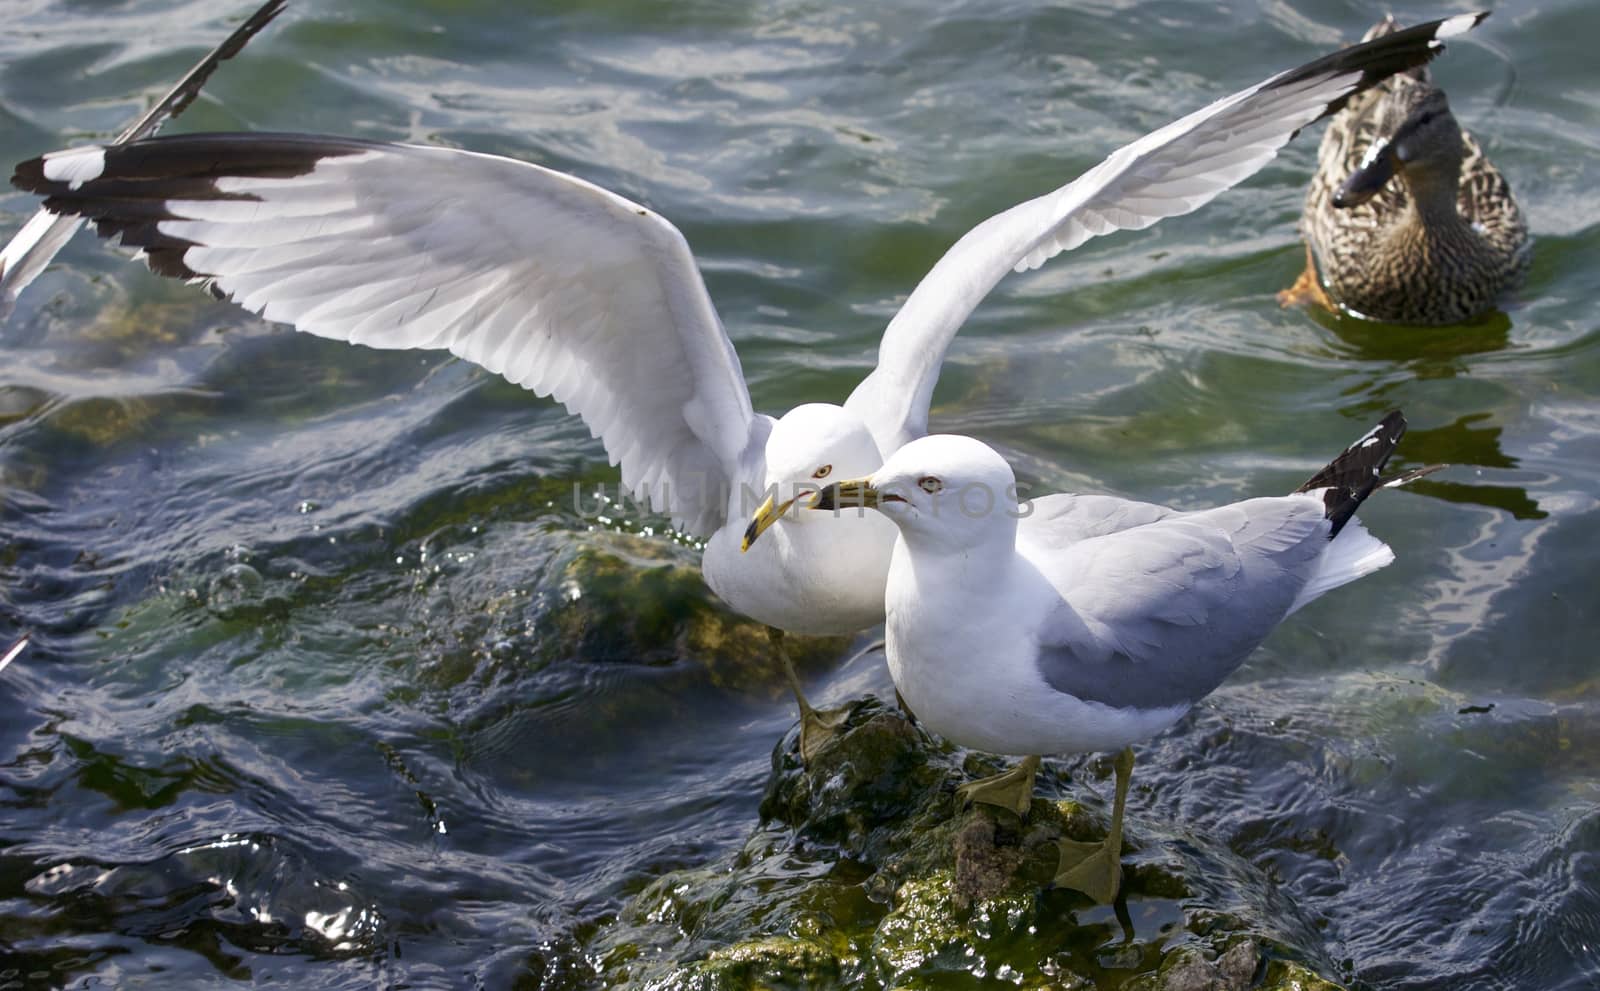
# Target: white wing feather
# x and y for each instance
(1168, 172)
(562, 287)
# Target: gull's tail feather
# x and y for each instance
(1356, 473)
(1343, 485)
(1407, 477)
(1356, 553)
(45, 234)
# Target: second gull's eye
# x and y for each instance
(822, 472)
(930, 484)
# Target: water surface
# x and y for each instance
(333, 684)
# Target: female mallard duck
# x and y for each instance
(1438, 245)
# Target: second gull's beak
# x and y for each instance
(769, 513)
(855, 493)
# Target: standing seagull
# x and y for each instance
(1019, 640)
(575, 292)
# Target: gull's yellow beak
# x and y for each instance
(855, 493)
(769, 513)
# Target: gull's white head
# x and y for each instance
(943, 491)
(811, 447)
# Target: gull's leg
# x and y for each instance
(1307, 290)
(816, 728)
(1096, 868)
(1011, 789)
(911, 717)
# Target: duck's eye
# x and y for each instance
(930, 484)
(822, 472)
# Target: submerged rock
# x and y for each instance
(622, 598)
(862, 874)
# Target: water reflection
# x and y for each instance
(1467, 443)
(1428, 352)
(1434, 353)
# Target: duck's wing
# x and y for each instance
(1169, 172)
(564, 288)
(1485, 200)
(45, 234)
(1156, 616)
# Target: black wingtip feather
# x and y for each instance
(29, 176)
(1357, 472)
(1384, 56)
(139, 180)
(178, 98)
(186, 166)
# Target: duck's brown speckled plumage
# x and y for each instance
(1386, 258)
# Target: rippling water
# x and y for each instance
(332, 683)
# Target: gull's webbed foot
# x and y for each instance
(1092, 868)
(1096, 868)
(817, 726)
(1011, 789)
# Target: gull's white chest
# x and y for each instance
(972, 682)
(823, 577)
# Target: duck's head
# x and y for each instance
(1419, 140)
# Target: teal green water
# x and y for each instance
(308, 701)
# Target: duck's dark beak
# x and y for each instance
(856, 493)
(1364, 183)
(770, 512)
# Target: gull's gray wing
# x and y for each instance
(1063, 519)
(1166, 173)
(45, 234)
(561, 286)
(1158, 615)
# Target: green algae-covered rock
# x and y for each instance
(621, 597)
(862, 874)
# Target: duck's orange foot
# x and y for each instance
(1307, 290)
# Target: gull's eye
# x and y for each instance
(822, 472)
(930, 484)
